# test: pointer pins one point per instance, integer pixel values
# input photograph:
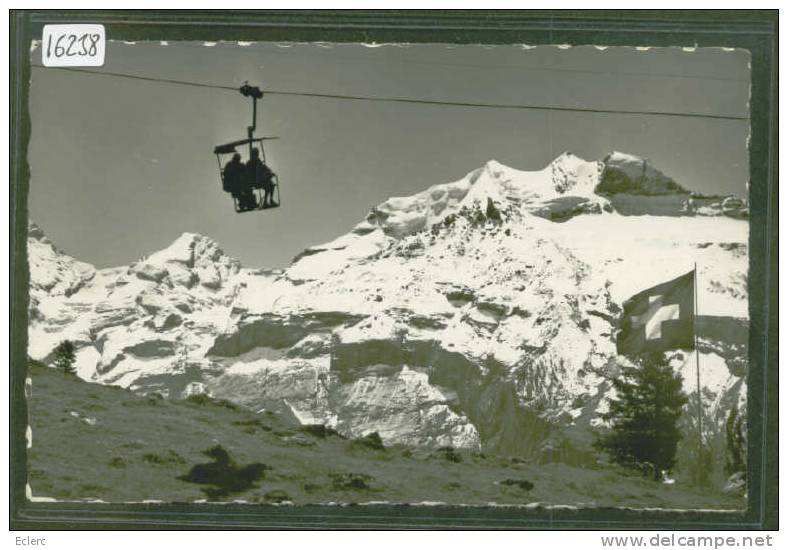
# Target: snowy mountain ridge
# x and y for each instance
(477, 313)
(566, 176)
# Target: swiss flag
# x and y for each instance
(659, 318)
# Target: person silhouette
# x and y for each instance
(235, 182)
(233, 175)
(262, 178)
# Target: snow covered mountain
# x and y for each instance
(477, 313)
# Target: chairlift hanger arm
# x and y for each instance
(255, 93)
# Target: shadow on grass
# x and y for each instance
(223, 475)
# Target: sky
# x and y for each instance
(120, 168)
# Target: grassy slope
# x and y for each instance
(139, 445)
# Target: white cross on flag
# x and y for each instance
(659, 318)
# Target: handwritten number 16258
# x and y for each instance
(70, 45)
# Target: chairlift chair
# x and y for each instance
(226, 151)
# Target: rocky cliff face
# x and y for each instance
(53, 274)
(479, 313)
(635, 187)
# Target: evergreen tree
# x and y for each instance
(700, 463)
(644, 417)
(735, 443)
(697, 460)
(65, 357)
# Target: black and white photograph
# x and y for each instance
(320, 273)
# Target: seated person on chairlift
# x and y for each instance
(232, 174)
(235, 183)
(261, 177)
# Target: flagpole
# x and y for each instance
(697, 362)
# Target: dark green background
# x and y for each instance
(753, 30)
